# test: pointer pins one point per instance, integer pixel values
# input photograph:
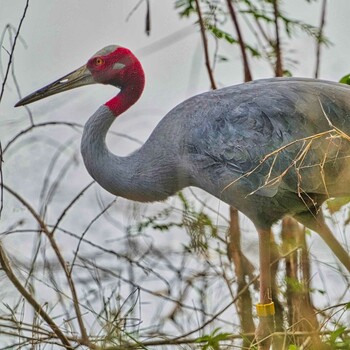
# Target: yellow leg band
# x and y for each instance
(265, 309)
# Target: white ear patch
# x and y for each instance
(118, 65)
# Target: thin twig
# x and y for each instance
(148, 18)
(247, 73)
(133, 10)
(47, 191)
(60, 258)
(2, 181)
(70, 124)
(14, 78)
(37, 307)
(277, 46)
(305, 146)
(86, 230)
(243, 290)
(319, 38)
(205, 46)
(13, 49)
(74, 200)
(31, 127)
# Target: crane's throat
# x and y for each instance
(130, 92)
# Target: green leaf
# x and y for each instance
(294, 284)
(258, 15)
(183, 200)
(336, 334)
(345, 79)
(221, 34)
(212, 341)
(287, 73)
(293, 347)
(307, 232)
(186, 7)
(254, 52)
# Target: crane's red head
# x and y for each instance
(112, 65)
(115, 65)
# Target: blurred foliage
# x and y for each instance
(197, 223)
(258, 16)
(212, 341)
(339, 338)
(345, 79)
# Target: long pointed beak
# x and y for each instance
(79, 77)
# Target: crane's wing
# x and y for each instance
(263, 136)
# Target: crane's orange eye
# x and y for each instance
(99, 61)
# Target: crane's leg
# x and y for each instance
(265, 308)
(317, 224)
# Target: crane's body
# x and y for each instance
(215, 139)
(268, 148)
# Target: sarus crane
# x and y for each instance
(269, 148)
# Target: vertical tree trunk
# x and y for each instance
(247, 73)
(301, 314)
(278, 51)
(319, 38)
(279, 324)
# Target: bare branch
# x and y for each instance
(277, 45)
(70, 205)
(2, 181)
(63, 264)
(37, 307)
(13, 50)
(247, 73)
(205, 46)
(319, 38)
(86, 230)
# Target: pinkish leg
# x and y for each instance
(265, 308)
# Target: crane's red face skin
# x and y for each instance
(121, 69)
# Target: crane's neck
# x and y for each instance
(145, 175)
(130, 92)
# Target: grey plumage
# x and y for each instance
(215, 138)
